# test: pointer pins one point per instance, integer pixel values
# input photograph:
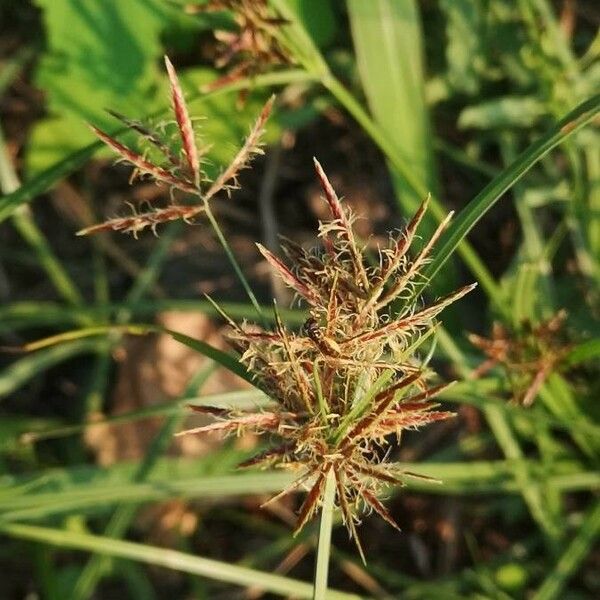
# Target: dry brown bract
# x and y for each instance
(528, 355)
(351, 376)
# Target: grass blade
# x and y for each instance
(485, 200)
(226, 360)
(25, 315)
(388, 45)
(572, 557)
(171, 559)
(94, 489)
(30, 232)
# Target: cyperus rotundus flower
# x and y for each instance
(351, 378)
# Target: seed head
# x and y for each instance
(351, 378)
(528, 354)
(182, 171)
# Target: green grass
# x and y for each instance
(513, 126)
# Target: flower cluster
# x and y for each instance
(181, 170)
(351, 377)
(253, 46)
(528, 355)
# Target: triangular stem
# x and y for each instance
(324, 546)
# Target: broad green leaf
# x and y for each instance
(389, 52)
(99, 55)
(388, 44)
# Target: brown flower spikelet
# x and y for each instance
(182, 171)
(252, 47)
(528, 354)
(350, 377)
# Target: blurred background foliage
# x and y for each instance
(396, 98)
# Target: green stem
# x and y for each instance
(324, 547)
(233, 261)
(29, 231)
(573, 556)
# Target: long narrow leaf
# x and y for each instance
(485, 200)
(171, 559)
(95, 489)
(389, 52)
(25, 315)
(226, 360)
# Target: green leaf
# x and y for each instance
(171, 559)
(464, 48)
(388, 45)
(226, 360)
(502, 113)
(26, 315)
(99, 55)
(318, 19)
(240, 400)
(389, 52)
(46, 179)
(481, 204)
(584, 352)
(93, 490)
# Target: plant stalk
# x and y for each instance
(324, 546)
(234, 263)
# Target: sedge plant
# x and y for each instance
(542, 473)
(351, 379)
